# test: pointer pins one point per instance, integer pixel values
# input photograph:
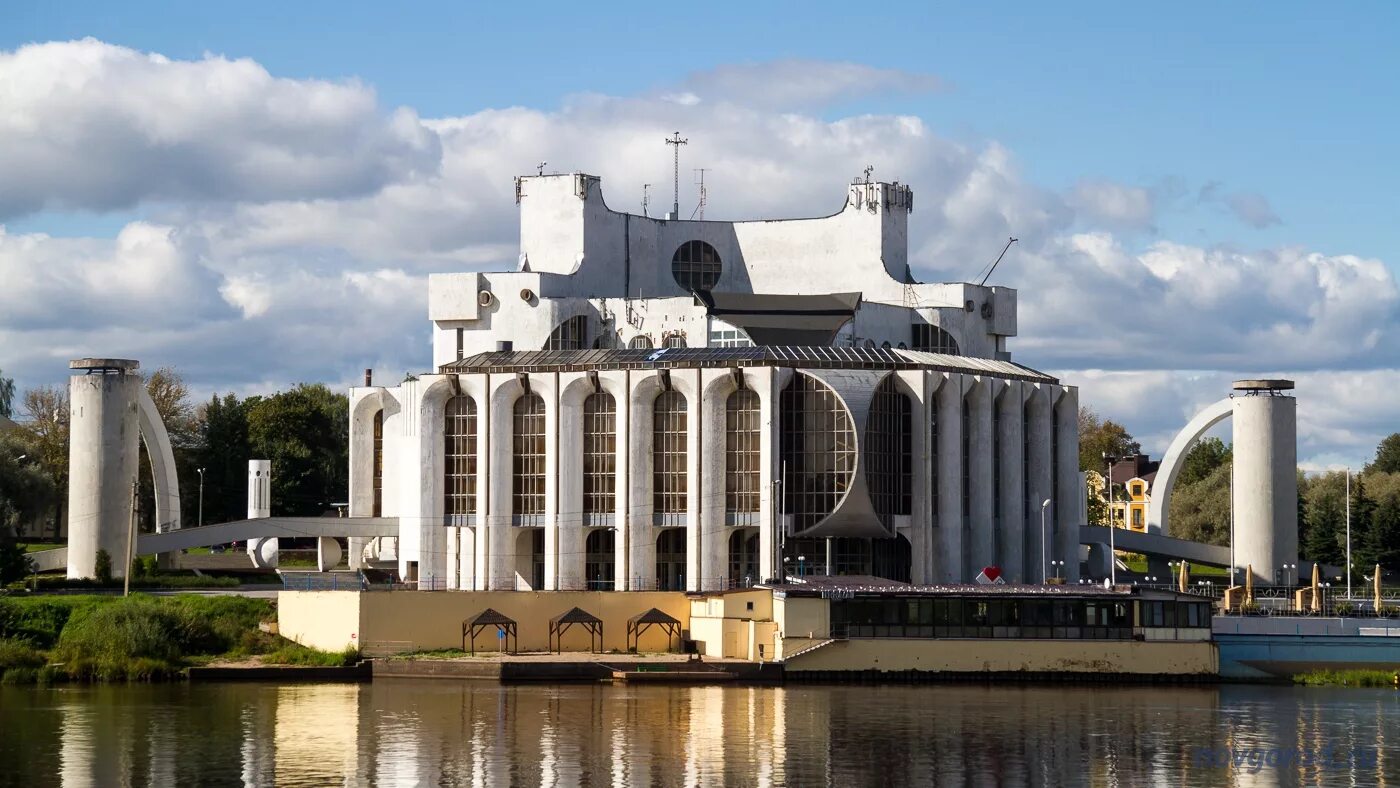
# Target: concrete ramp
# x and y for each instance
(1157, 546)
(239, 531)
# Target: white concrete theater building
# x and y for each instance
(666, 404)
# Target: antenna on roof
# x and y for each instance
(869, 168)
(700, 206)
(540, 167)
(645, 199)
(676, 173)
(1009, 242)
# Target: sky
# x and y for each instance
(255, 193)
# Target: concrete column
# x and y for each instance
(713, 537)
(1069, 491)
(104, 431)
(695, 567)
(1011, 486)
(1266, 482)
(620, 385)
(641, 536)
(1041, 484)
(768, 382)
(570, 541)
(500, 548)
(981, 516)
(950, 567)
(547, 387)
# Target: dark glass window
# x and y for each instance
(459, 456)
(378, 510)
(599, 453)
(572, 334)
(528, 457)
(668, 450)
(696, 266)
(932, 339)
(600, 560)
(741, 456)
(889, 450)
(818, 449)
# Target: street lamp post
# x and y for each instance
(801, 560)
(201, 495)
(1112, 553)
(1044, 553)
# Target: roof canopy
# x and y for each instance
(490, 616)
(796, 356)
(576, 615)
(772, 319)
(653, 616)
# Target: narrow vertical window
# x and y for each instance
(378, 510)
(669, 453)
(527, 457)
(459, 457)
(741, 455)
(599, 453)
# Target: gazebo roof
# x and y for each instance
(653, 616)
(576, 615)
(490, 616)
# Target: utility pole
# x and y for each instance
(676, 173)
(1348, 534)
(130, 543)
(201, 495)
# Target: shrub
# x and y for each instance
(102, 567)
(18, 654)
(38, 620)
(290, 653)
(103, 640)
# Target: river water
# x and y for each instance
(442, 732)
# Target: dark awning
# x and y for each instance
(772, 319)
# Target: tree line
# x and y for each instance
(1200, 506)
(302, 430)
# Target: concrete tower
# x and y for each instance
(1265, 494)
(104, 434)
(263, 550)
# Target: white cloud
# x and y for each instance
(1252, 208)
(314, 276)
(796, 83)
(89, 125)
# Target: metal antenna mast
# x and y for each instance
(1009, 242)
(645, 199)
(699, 211)
(676, 173)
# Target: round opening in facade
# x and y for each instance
(696, 266)
(818, 449)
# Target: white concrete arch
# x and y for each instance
(164, 479)
(1158, 507)
(362, 410)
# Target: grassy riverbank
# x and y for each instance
(1349, 678)
(139, 638)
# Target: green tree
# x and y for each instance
(47, 434)
(170, 395)
(223, 450)
(26, 492)
(102, 566)
(1100, 436)
(304, 433)
(7, 396)
(1201, 511)
(1382, 539)
(1324, 518)
(1202, 460)
(1387, 455)
(14, 562)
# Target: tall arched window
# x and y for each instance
(572, 334)
(527, 445)
(378, 510)
(741, 453)
(675, 339)
(696, 266)
(818, 450)
(932, 339)
(599, 453)
(889, 452)
(459, 456)
(668, 452)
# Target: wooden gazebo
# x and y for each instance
(562, 622)
(638, 624)
(490, 619)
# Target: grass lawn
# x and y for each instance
(34, 547)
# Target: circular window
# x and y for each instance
(696, 266)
